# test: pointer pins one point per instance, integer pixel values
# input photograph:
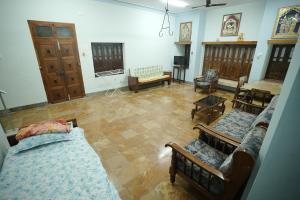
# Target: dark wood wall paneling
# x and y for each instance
(231, 60)
(279, 62)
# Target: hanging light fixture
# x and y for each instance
(166, 26)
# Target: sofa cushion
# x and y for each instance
(251, 144)
(266, 115)
(147, 72)
(145, 80)
(236, 123)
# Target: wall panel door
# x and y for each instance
(57, 54)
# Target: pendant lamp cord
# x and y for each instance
(163, 26)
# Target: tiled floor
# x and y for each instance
(129, 132)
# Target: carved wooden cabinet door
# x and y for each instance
(57, 53)
(232, 61)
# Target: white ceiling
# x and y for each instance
(159, 5)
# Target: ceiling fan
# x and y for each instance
(209, 4)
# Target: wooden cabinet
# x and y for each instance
(231, 59)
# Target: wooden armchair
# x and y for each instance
(208, 82)
(221, 179)
(240, 93)
(263, 96)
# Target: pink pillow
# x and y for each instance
(52, 126)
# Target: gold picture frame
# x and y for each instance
(287, 24)
(185, 32)
(231, 24)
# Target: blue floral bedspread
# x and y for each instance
(66, 170)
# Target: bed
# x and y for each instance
(55, 169)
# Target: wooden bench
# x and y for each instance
(147, 75)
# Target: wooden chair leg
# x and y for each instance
(172, 175)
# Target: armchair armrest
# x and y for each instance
(196, 161)
(245, 106)
(199, 79)
(217, 134)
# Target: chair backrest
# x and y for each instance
(261, 95)
(241, 82)
(211, 75)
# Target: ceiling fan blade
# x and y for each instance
(218, 4)
(194, 7)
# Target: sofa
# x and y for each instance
(146, 75)
(219, 162)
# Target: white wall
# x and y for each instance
(198, 19)
(208, 28)
(95, 21)
(278, 174)
(263, 50)
(252, 14)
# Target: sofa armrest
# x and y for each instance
(175, 147)
(168, 73)
(218, 135)
(133, 80)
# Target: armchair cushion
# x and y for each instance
(208, 155)
(202, 83)
(236, 123)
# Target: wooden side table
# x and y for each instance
(210, 107)
(180, 69)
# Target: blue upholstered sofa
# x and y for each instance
(219, 162)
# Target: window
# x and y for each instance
(108, 58)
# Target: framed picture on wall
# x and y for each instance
(287, 24)
(231, 24)
(185, 32)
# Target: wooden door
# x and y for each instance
(56, 48)
(279, 62)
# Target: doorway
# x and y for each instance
(57, 54)
(279, 62)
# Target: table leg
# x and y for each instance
(193, 113)
(184, 75)
(223, 108)
(209, 116)
(173, 73)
